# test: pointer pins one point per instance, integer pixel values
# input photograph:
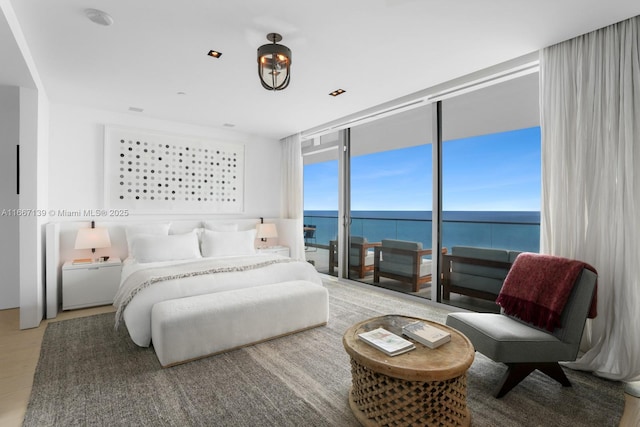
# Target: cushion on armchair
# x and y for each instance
(402, 264)
(480, 253)
(354, 253)
(369, 257)
(399, 244)
(478, 277)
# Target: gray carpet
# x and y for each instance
(89, 374)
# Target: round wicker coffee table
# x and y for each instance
(421, 387)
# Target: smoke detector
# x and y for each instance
(99, 17)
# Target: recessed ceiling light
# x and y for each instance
(136, 109)
(215, 53)
(337, 92)
(99, 17)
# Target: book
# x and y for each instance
(82, 261)
(426, 334)
(388, 342)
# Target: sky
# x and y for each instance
(497, 172)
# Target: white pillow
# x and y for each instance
(173, 247)
(226, 243)
(132, 231)
(215, 226)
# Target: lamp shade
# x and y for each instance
(266, 231)
(91, 238)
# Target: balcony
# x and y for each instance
(518, 231)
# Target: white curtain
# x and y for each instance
(292, 192)
(590, 121)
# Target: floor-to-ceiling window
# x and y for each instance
(390, 195)
(491, 173)
(321, 201)
(490, 185)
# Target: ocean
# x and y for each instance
(514, 230)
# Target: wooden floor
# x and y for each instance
(19, 352)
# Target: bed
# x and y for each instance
(162, 266)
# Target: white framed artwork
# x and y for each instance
(151, 172)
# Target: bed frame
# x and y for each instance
(60, 241)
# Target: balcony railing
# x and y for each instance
(520, 236)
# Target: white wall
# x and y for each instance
(9, 201)
(33, 171)
(76, 159)
(19, 71)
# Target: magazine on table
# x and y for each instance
(386, 341)
(424, 333)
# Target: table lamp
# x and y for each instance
(92, 238)
(266, 231)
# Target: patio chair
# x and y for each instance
(476, 272)
(309, 236)
(521, 336)
(403, 261)
(361, 255)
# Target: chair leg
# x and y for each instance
(446, 294)
(554, 370)
(416, 284)
(516, 372)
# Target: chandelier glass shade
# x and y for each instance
(274, 64)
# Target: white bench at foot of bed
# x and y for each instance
(193, 327)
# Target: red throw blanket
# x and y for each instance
(538, 287)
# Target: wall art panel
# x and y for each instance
(148, 172)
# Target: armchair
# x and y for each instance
(360, 255)
(476, 272)
(525, 345)
(309, 232)
(403, 261)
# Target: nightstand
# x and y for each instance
(280, 250)
(90, 284)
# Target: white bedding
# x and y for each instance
(137, 313)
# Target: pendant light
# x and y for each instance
(274, 64)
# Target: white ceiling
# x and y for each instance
(377, 50)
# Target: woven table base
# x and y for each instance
(387, 401)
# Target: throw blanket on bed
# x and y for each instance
(142, 279)
(537, 288)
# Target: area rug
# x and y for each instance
(90, 374)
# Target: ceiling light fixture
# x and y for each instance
(337, 92)
(99, 17)
(274, 64)
(214, 53)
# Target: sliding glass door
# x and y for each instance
(490, 183)
(390, 199)
(321, 188)
(369, 189)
